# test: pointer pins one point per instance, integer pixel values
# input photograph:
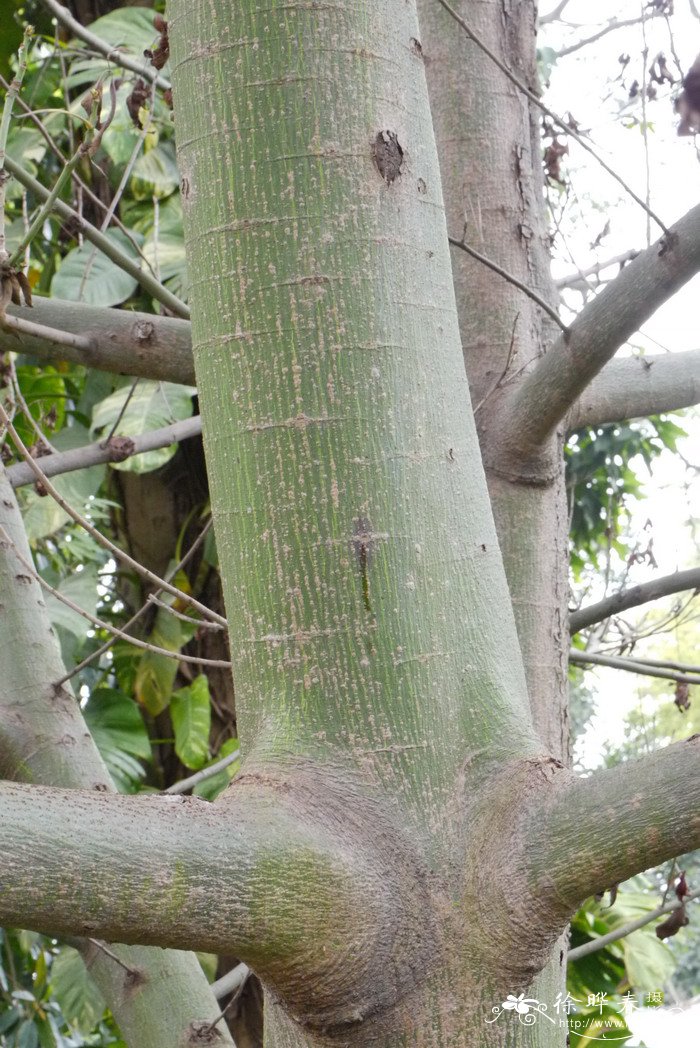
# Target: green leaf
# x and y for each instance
(150, 406)
(155, 173)
(190, 710)
(155, 675)
(86, 275)
(81, 588)
(79, 998)
(42, 516)
(116, 723)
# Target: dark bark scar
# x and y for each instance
(362, 548)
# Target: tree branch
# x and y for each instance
(612, 25)
(624, 930)
(174, 871)
(620, 662)
(531, 413)
(634, 387)
(571, 280)
(605, 828)
(113, 54)
(633, 597)
(101, 241)
(101, 539)
(110, 451)
(115, 340)
(545, 306)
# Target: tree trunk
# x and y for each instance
(371, 629)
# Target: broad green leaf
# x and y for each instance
(155, 173)
(86, 275)
(81, 1002)
(81, 588)
(116, 723)
(150, 406)
(649, 962)
(155, 675)
(190, 711)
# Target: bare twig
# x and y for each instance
(633, 597)
(618, 662)
(100, 624)
(206, 773)
(626, 929)
(102, 241)
(59, 338)
(612, 25)
(112, 54)
(101, 539)
(556, 14)
(561, 124)
(140, 612)
(549, 310)
(572, 279)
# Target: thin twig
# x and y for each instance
(626, 929)
(549, 310)
(117, 960)
(100, 624)
(112, 54)
(206, 773)
(618, 662)
(107, 246)
(593, 271)
(152, 599)
(60, 338)
(98, 652)
(101, 539)
(613, 24)
(562, 124)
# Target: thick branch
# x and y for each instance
(542, 399)
(299, 889)
(113, 451)
(114, 340)
(605, 828)
(633, 597)
(635, 387)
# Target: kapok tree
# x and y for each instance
(405, 843)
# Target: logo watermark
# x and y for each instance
(598, 1017)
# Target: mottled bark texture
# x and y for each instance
(379, 860)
